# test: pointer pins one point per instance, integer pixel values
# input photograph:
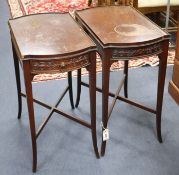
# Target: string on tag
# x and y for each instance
(105, 132)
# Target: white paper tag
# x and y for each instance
(105, 134)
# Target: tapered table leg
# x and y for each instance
(78, 87)
(92, 92)
(160, 90)
(126, 78)
(28, 86)
(18, 82)
(105, 92)
(70, 89)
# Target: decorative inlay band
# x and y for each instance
(59, 66)
(120, 53)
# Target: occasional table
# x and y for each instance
(123, 33)
(52, 43)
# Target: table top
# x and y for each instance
(48, 35)
(120, 26)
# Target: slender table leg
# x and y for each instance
(126, 78)
(160, 90)
(78, 87)
(92, 91)
(105, 92)
(28, 86)
(18, 82)
(70, 89)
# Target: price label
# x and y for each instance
(105, 134)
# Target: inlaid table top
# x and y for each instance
(120, 25)
(37, 37)
(47, 44)
(123, 33)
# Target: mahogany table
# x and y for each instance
(123, 33)
(52, 43)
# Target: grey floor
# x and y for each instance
(66, 147)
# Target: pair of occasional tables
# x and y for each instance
(55, 43)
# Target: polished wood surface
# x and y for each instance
(52, 43)
(122, 33)
(34, 38)
(120, 26)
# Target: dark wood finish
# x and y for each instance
(42, 46)
(51, 111)
(45, 43)
(70, 89)
(92, 92)
(28, 86)
(160, 90)
(132, 28)
(54, 66)
(78, 87)
(124, 99)
(122, 33)
(105, 90)
(126, 63)
(115, 96)
(18, 82)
